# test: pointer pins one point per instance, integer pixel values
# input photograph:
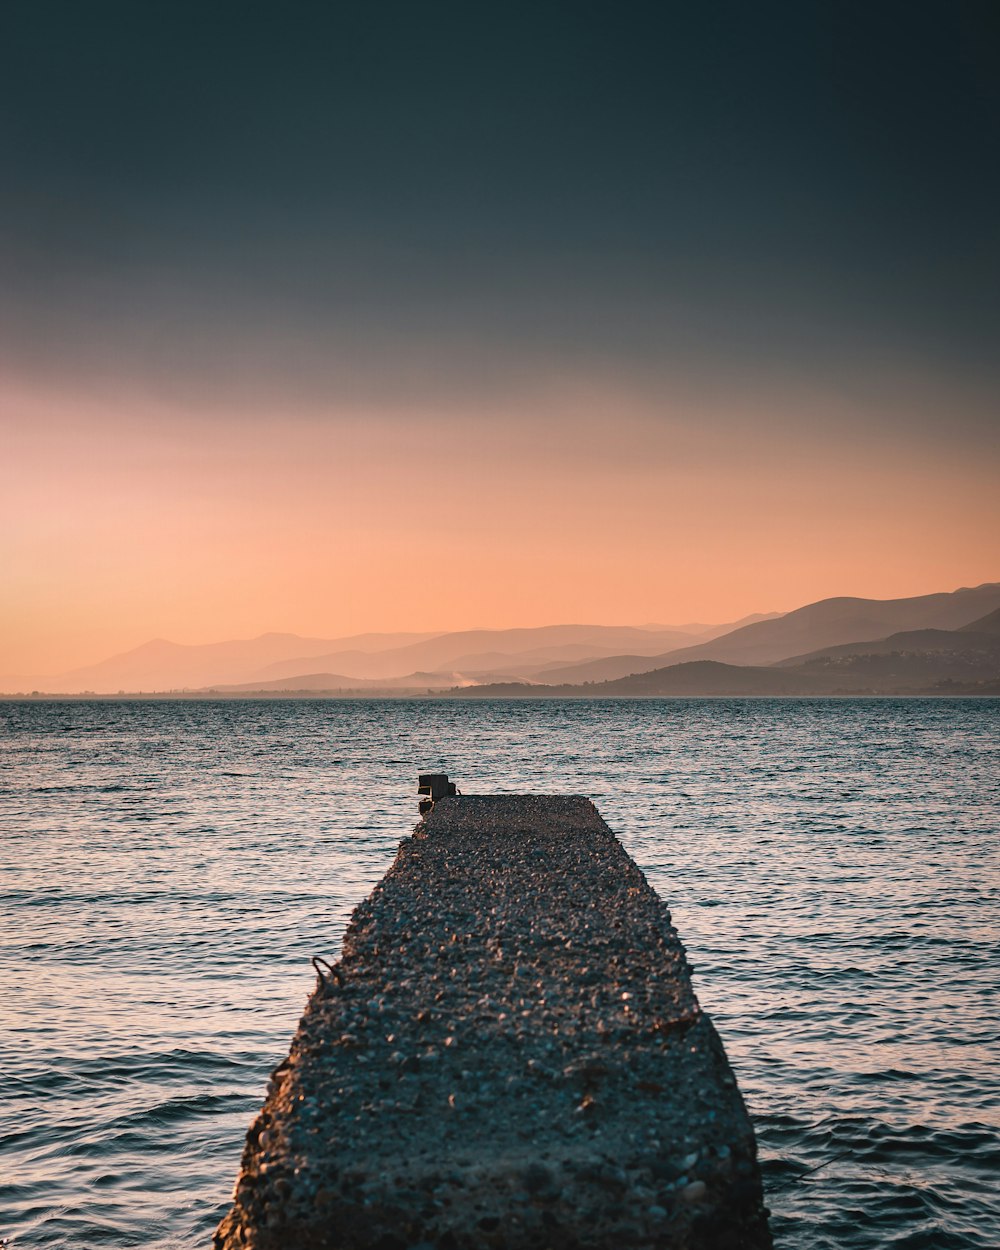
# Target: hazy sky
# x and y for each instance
(331, 317)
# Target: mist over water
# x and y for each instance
(168, 868)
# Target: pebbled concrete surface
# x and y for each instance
(509, 1054)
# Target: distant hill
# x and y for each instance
(894, 673)
(942, 661)
(988, 624)
(900, 672)
(558, 654)
(698, 678)
(926, 642)
(704, 632)
(163, 665)
(710, 677)
(537, 662)
(910, 659)
(537, 654)
(330, 682)
(769, 640)
(834, 622)
(304, 681)
(490, 649)
(607, 668)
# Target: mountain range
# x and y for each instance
(826, 623)
(927, 661)
(837, 645)
(166, 666)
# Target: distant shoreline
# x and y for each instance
(353, 696)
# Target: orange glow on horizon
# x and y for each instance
(126, 518)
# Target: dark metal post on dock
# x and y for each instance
(431, 787)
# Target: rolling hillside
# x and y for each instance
(911, 659)
(323, 683)
(695, 679)
(490, 649)
(164, 665)
(835, 622)
(948, 634)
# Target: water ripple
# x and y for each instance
(168, 869)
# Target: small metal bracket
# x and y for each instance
(331, 974)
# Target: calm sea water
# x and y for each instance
(167, 870)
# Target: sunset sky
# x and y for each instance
(331, 318)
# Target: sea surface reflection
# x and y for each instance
(168, 868)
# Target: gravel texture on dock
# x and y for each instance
(509, 1054)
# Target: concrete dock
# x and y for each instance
(509, 1054)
